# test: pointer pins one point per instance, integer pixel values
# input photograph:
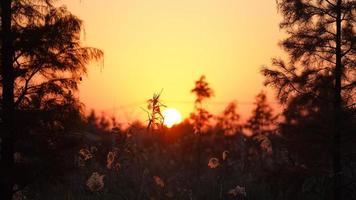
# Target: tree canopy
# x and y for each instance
(317, 83)
(43, 62)
(48, 57)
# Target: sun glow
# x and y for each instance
(171, 117)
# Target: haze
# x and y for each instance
(166, 44)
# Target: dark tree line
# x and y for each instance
(7, 139)
(318, 82)
(302, 154)
(42, 61)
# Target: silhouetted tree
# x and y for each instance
(7, 101)
(98, 123)
(42, 63)
(228, 120)
(201, 116)
(260, 125)
(321, 46)
(200, 119)
(262, 121)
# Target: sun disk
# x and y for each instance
(171, 117)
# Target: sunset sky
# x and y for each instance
(151, 45)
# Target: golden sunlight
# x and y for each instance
(171, 117)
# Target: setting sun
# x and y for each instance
(171, 117)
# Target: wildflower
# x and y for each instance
(18, 158)
(93, 149)
(267, 146)
(19, 194)
(117, 166)
(265, 143)
(110, 159)
(95, 182)
(213, 163)
(158, 181)
(170, 194)
(155, 116)
(85, 154)
(225, 155)
(238, 191)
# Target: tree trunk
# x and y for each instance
(198, 166)
(337, 107)
(7, 134)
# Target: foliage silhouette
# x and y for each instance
(7, 93)
(321, 47)
(201, 116)
(228, 120)
(155, 117)
(51, 150)
(46, 63)
(200, 119)
(262, 121)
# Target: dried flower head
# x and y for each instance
(155, 117)
(110, 159)
(169, 195)
(93, 149)
(238, 191)
(265, 143)
(213, 163)
(117, 166)
(95, 182)
(225, 155)
(19, 194)
(85, 154)
(18, 158)
(159, 182)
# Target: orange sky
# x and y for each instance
(151, 45)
